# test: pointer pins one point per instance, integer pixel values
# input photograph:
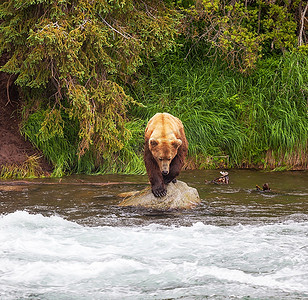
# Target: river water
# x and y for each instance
(68, 239)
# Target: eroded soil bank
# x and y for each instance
(14, 149)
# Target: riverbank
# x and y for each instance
(82, 88)
(257, 121)
(17, 156)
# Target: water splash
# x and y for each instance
(52, 258)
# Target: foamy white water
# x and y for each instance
(51, 258)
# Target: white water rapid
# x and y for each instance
(45, 257)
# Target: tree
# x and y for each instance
(72, 57)
(243, 31)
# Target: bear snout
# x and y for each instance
(165, 172)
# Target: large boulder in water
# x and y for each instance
(179, 196)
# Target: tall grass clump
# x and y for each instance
(30, 168)
(203, 97)
(59, 148)
(129, 160)
(225, 113)
(278, 119)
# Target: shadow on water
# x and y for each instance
(84, 200)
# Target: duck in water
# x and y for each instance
(223, 179)
(265, 188)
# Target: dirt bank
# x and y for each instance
(14, 149)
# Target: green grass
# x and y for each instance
(227, 113)
(230, 119)
(130, 159)
(30, 168)
(279, 111)
(59, 149)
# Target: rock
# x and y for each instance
(128, 194)
(11, 188)
(179, 196)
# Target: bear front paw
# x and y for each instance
(159, 192)
(168, 180)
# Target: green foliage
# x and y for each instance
(70, 57)
(129, 160)
(61, 148)
(81, 65)
(243, 31)
(206, 102)
(29, 169)
(227, 114)
(280, 102)
(58, 147)
(280, 26)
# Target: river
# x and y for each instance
(69, 239)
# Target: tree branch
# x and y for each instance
(301, 32)
(126, 36)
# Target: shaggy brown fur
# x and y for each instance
(165, 151)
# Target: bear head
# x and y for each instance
(164, 151)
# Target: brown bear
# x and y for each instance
(164, 151)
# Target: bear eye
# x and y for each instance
(160, 158)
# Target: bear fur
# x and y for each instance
(165, 150)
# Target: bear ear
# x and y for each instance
(153, 143)
(176, 143)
